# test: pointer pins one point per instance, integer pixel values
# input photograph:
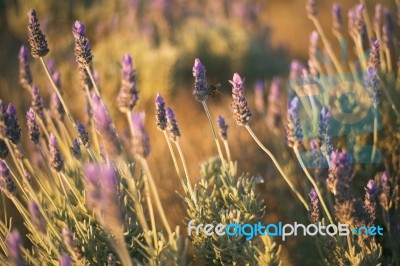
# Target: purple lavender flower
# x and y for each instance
(37, 217)
(83, 55)
(371, 84)
(76, 150)
(384, 189)
(57, 79)
(223, 128)
(36, 38)
(56, 107)
(313, 48)
(68, 237)
(161, 119)
(173, 128)
(141, 141)
(294, 132)
(13, 132)
(14, 243)
(274, 117)
(51, 65)
(241, 112)
(374, 56)
(340, 176)
(296, 70)
(128, 93)
(33, 127)
(313, 213)
(200, 81)
(311, 8)
(369, 201)
(356, 23)
(3, 150)
(7, 184)
(324, 134)
(37, 103)
(65, 260)
(83, 135)
(105, 127)
(337, 18)
(259, 90)
(102, 195)
(56, 158)
(25, 76)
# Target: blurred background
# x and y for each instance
(257, 39)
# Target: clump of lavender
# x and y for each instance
(33, 127)
(37, 218)
(14, 243)
(7, 184)
(223, 128)
(13, 132)
(200, 83)
(105, 127)
(172, 128)
(83, 135)
(161, 118)
(128, 93)
(323, 133)
(294, 132)
(56, 158)
(141, 141)
(313, 213)
(25, 76)
(83, 55)
(36, 38)
(241, 111)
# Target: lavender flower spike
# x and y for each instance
(324, 134)
(105, 127)
(173, 128)
(241, 112)
(33, 127)
(161, 118)
(13, 242)
(141, 141)
(25, 76)
(313, 213)
(37, 217)
(36, 38)
(128, 94)
(76, 149)
(371, 192)
(83, 135)
(200, 81)
(337, 18)
(56, 106)
(37, 103)
(83, 55)
(311, 8)
(3, 150)
(56, 158)
(65, 260)
(294, 131)
(223, 128)
(259, 97)
(13, 132)
(7, 184)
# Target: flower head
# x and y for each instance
(337, 18)
(141, 140)
(294, 131)
(65, 260)
(105, 127)
(33, 126)
(25, 76)
(36, 38)
(173, 128)
(259, 90)
(374, 56)
(83, 135)
(324, 134)
(37, 217)
(83, 53)
(76, 149)
(314, 39)
(311, 8)
(128, 93)
(7, 184)
(57, 107)
(37, 103)
(371, 192)
(161, 118)
(313, 213)
(371, 85)
(13, 132)
(56, 158)
(241, 111)
(200, 81)
(3, 149)
(14, 243)
(223, 128)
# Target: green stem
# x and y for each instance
(214, 134)
(296, 192)
(311, 179)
